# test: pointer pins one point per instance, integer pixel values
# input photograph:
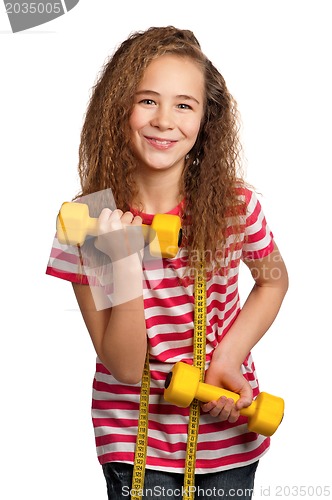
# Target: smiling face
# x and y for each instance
(167, 114)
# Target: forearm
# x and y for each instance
(118, 333)
(255, 318)
(253, 321)
(124, 342)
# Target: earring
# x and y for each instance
(195, 162)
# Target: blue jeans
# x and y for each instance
(234, 484)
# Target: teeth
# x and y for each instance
(161, 142)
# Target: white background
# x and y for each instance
(276, 59)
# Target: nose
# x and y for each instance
(163, 118)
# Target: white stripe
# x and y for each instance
(163, 346)
(112, 447)
(166, 293)
(169, 311)
(179, 454)
(176, 328)
(252, 204)
(256, 226)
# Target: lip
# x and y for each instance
(160, 143)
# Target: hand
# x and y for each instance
(232, 379)
(119, 234)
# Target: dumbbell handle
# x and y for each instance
(207, 392)
(92, 226)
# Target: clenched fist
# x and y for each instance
(119, 234)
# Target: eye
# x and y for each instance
(184, 106)
(148, 102)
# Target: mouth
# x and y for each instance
(160, 143)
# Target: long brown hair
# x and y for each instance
(211, 174)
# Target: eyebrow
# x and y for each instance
(185, 97)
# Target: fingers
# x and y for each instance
(137, 221)
(112, 220)
(109, 220)
(129, 219)
(243, 403)
(245, 397)
(223, 409)
(119, 234)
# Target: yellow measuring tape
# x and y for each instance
(142, 434)
(199, 361)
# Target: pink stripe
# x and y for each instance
(116, 457)
(73, 277)
(161, 319)
(60, 254)
(118, 438)
(170, 337)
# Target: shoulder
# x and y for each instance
(245, 191)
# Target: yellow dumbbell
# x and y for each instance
(74, 224)
(183, 385)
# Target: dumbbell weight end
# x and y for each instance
(74, 223)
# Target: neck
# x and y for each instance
(159, 193)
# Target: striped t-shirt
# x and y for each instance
(169, 313)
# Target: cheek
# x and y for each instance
(134, 121)
(137, 120)
(193, 129)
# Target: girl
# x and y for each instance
(161, 130)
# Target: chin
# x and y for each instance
(164, 166)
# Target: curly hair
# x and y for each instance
(210, 179)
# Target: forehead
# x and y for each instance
(173, 74)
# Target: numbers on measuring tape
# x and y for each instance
(142, 435)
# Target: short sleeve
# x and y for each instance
(258, 238)
(84, 264)
(66, 262)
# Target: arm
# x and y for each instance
(255, 318)
(118, 333)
